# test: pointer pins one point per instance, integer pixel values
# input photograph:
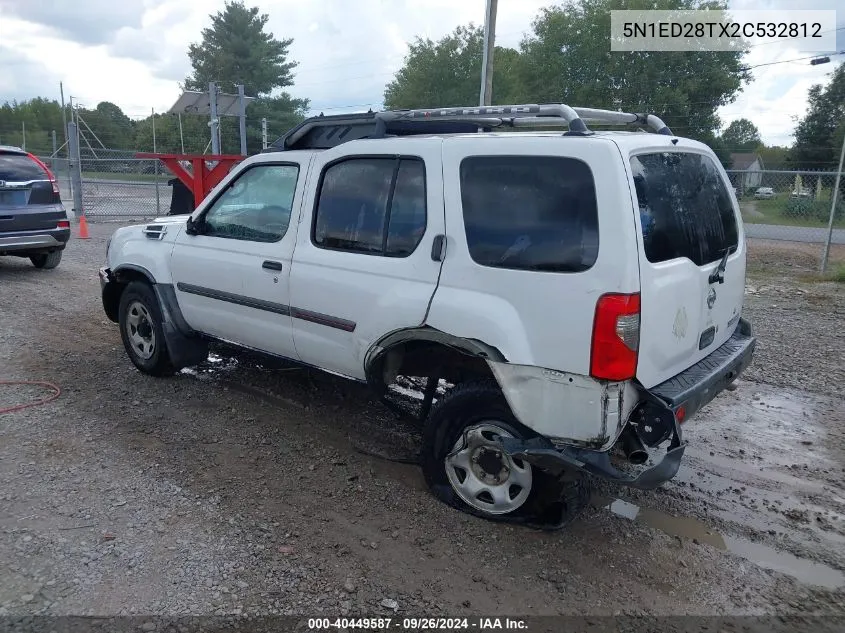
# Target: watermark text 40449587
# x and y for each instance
(805, 30)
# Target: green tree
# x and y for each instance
(448, 72)
(237, 50)
(567, 58)
(818, 136)
(774, 157)
(741, 136)
(39, 116)
(113, 128)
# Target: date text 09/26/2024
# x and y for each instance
(419, 624)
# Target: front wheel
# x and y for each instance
(140, 322)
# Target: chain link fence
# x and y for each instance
(790, 205)
(125, 188)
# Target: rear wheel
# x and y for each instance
(463, 462)
(46, 261)
(141, 330)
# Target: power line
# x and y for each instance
(841, 28)
(787, 61)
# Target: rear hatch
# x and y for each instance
(29, 194)
(692, 261)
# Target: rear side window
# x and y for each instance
(372, 205)
(530, 212)
(685, 208)
(20, 168)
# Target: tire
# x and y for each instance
(47, 261)
(141, 329)
(480, 406)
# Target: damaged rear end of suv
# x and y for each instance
(570, 299)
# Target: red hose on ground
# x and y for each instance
(40, 383)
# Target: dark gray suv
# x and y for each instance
(33, 221)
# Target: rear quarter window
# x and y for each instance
(685, 207)
(530, 212)
(19, 168)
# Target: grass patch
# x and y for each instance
(773, 211)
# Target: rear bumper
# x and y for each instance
(50, 239)
(680, 397)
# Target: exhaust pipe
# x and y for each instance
(633, 447)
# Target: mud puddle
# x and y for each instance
(762, 478)
(805, 571)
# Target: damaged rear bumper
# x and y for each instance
(539, 452)
(674, 401)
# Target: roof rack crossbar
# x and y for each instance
(610, 117)
(496, 116)
(525, 115)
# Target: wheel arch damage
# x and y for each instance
(426, 351)
(569, 408)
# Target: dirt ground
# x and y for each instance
(249, 487)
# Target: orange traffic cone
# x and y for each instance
(83, 228)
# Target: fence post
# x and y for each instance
(214, 123)
(833, 200)
(264, 133)
(75, 168)
(155, 167)
(242, 117)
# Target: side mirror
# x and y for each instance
(191, 227)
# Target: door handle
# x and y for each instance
(271, 265)
(438, 247)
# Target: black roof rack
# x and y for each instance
(323, 132)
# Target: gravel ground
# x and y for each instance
(247, 487)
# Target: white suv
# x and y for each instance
(582, 291)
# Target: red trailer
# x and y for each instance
(204, 178)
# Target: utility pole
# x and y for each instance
(833, 201)
(487, 60)
(264, 133)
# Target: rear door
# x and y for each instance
(688, 222)
(29, 196)
(363, 264)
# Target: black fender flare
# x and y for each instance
(470, 347)
(135, 268)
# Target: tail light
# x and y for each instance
(50, 174)
(616, 337)
(63, 224)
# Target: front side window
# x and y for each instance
(256, 206)
(685, 207)
(530, 212)
(372, 205)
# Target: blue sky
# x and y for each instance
(134, 53)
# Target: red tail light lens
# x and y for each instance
(616, 337)
(43, 166)
(63, 224)
(46, 169)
